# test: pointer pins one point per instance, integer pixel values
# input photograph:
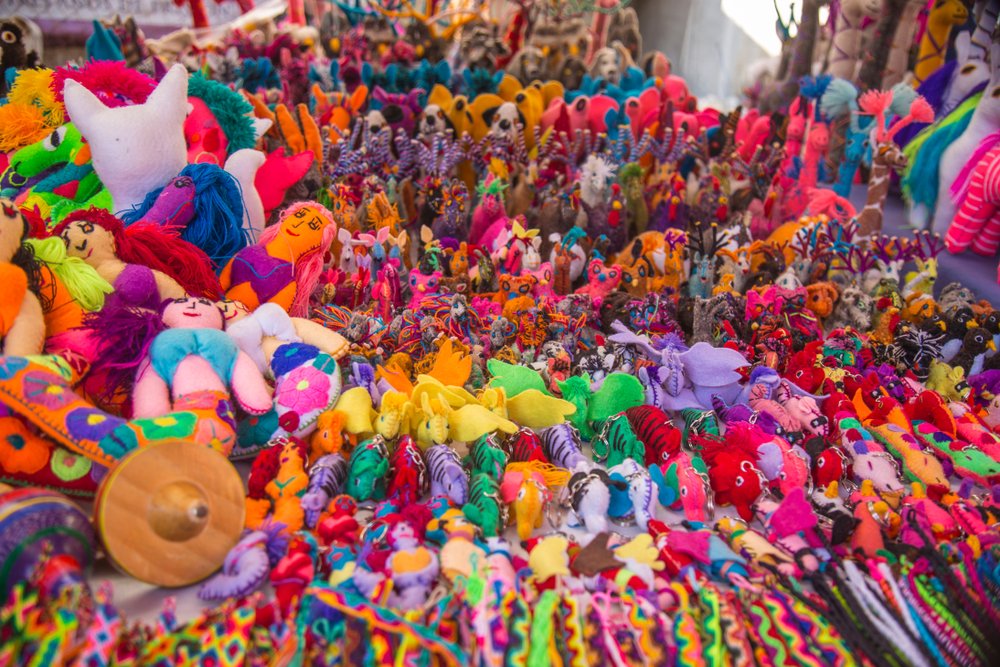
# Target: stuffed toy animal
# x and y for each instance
(22, 320)
(123, 140)
(284, 266)
(955, 158)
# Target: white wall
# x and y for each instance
(705, 46)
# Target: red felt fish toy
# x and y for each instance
(733, 474)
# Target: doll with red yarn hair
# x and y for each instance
(145, 263)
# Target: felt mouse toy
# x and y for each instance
(22, 323)
(284, 266)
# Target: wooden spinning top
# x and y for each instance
(169, 514)
(42, 529)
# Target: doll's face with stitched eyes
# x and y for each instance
(232, 311)
(192, 313)
(91, 243)
(11, 229)
(303, 230)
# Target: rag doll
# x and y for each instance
(22, 320)
(300, 356)
(182, 391)
(284, 266)
(144, 263)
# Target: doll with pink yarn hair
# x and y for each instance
(284, 266)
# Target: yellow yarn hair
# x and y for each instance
(34, 87)
(553, 475)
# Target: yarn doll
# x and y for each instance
(22, 320)
(182, 391)
(193, 362)
(145, 263)
(284, 266)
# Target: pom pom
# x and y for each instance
(111, 81)
(21, 125)
(875, 102)
(34, 87)
(921, 111)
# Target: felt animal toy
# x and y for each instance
(734, 476)
(886, 156)
(602, 280)
(685, 377)
(976, 223)
(485, 508)
(870, 462)
(955, 158)
(22, 325)
(682, 482)
(616, 442)
(447, 478)
(527, 488)
(407, 473)
(369, 466)
(327, 476)
(944, 15)
(145, 263)
(922, 280)
(898, 57)
(284, 266)
(122, 139)
(845, 52)
(639, 500)
(971, 357)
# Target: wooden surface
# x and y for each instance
(169, 514)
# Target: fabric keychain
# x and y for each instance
(606, 636)
(935, 613)
(711, 627)
(785, 643)
(519, 631)
(738, 646)
(542, 644)
(576, 650)
(881, 618)
(686, 634)
(647, 630)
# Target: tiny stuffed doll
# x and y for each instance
(22, 320)
(195, 361)
(284, 266)
(144, 263)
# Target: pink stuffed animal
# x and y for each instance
(422, 285)
(601, 280)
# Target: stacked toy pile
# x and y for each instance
(534, 359)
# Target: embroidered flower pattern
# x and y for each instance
(304, 390)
